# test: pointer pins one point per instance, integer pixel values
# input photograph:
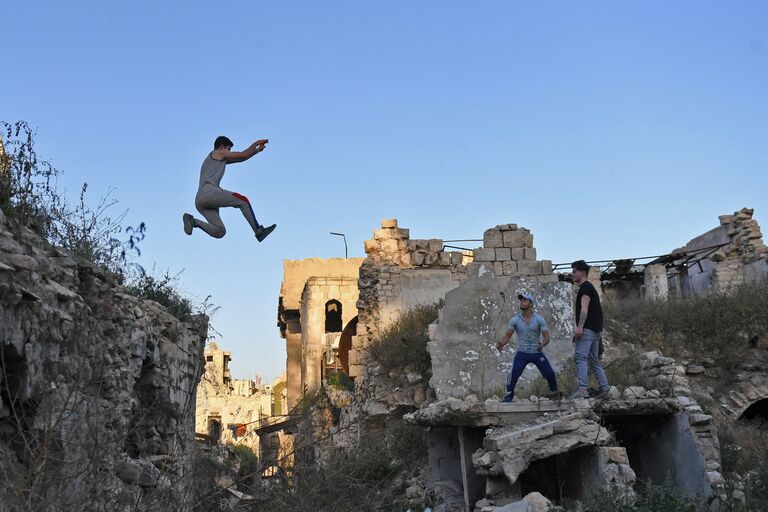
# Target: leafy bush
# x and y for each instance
(654, 498)
(705, 326)
(369, 477)
(404, 342)
(163, 290)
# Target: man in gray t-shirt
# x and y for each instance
(532, 337)
(210, 196)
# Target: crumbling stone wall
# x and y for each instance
(98, 387)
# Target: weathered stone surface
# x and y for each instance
(475, 315)
(482, 254)
(389, 223)
(108, 377)
(528, 268)
(503, 254)
(492, 238)
(513, 238)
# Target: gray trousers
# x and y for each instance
(210, 199)
(585, 354)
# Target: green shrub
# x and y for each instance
(653, 498)
(716, 326)
(404, 342)
(163, 290)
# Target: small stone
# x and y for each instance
(389, 223)
(694, 369)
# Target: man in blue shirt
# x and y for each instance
(532, 337)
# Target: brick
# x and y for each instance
(435, 245)
(383, 234)
(517, 253)
(492, 238)
(390, 245)
(503, 254)
(509, 268)
(483, 254)
(402, 233)
(529, 253)
(513, 238)
(528, 268)
(371, 246)
(389, 223)
(528, 240)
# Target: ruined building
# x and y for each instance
(227, 410)
(316, 314)
(483, 453)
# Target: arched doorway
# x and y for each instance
(333, 316)
(756, 411)
(214, 428)
(345, 344)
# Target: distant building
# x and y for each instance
(228, 410)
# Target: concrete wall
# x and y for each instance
(475, 316)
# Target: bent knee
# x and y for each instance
(219, 233)
(241, 197)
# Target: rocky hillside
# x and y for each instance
(97, 387)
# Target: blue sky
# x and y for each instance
(610, 129)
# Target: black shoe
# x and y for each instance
(263, 232)
(188, 224)
(507, 399)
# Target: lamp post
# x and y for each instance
(345, 243)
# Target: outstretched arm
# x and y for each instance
(233, 157)
(544, 340)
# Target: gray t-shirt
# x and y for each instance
(211, 172)
(528, 332)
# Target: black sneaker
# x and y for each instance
(187, 218)
(263, 232)
(507, 399)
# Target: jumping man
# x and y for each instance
(210, 196)
(532, 337)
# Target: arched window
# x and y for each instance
(333, 316)
(756, 411)
(214, 428)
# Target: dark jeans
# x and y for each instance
(541, 362)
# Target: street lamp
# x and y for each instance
(345, 243)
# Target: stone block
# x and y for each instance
(492, 238)
(401, 233)
(417, 258)
(503, 254)
(528, 268)
(390, 246)
(383, 234)
(614, 454)
(513, 238)
(498, 268)
(389, 223)
(456, 258)
(507, 227)
(517, 253)
(509, 268)
(435, 245)
(529, 253)
(371, 246)
(546, 266)
(422, 245)
(402, 245)
(725, 219)
(528, 239)
(444, 259)
(483, 254)
(411, 245)
(431, 258)
(356, 370)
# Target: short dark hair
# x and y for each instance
(222, 141)
(580, 265)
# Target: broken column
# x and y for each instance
(655, 282)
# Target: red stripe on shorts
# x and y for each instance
(241, 197)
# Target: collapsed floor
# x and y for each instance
(490, 454)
